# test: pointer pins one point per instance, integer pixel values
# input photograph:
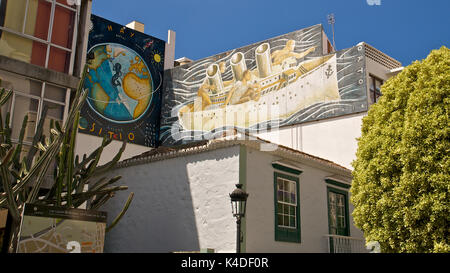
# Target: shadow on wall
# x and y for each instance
(160, 218)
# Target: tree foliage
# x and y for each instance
(401, 174)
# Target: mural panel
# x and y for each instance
(124, 82)
(282, 81)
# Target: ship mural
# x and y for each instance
(281, 81)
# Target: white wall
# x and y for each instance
(86, 144)
(333, 139)
(180, 204)
(260, 216)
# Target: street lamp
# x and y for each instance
(238, 203)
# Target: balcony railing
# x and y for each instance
(345, 244)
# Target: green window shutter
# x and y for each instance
(285, 234)
(337, 183)
(286, 168)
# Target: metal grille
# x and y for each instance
(380, 57)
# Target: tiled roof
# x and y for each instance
(163, 152)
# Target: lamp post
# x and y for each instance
(238, 203)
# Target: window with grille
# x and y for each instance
(286, 203)
(287, 208)
(338, 220)
(30, 97)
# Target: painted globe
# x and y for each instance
(119, 83)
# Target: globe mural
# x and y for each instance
(119, 83)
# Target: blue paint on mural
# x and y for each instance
(124, 81)
(281, 81)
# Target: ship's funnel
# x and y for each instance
(263, 62)
(238, 66)
(214, 77)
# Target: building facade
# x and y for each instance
(42, 52)
(298, 175)
(335, 138)
(297, 202)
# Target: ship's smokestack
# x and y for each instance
(214, 77)
(238, 66)
(263, 62)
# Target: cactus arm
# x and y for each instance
(92, 166)
(36, 138)
(113, 162)
(100, 200)
(60, 175)
(102, 183)
(18, 149)
(92, 156)
(7, 129)
(125, 208)
(44, 163)
(70, 159)
(80, 198)
(80, 97)
(5, 94)
(2, 133)
(5, 176)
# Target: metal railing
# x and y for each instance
(345, 244)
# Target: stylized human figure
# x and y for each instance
(222, 69)
(203, 93)
(243, 91)
(278, 56)
(115, 78)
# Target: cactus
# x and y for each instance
(21, 179)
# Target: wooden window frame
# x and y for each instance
(286, 234)
(346, 209)
(48, 42)
(41, 100)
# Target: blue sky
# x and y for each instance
(404, 29)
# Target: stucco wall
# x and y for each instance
(86, 144)
(180, 204)
(333, 139)
(260, 217)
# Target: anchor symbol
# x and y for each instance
(329, 71)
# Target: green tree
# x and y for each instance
(401, 175)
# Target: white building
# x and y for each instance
(296, 200)
(181, 193)
(335, 138)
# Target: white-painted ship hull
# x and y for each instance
(315, 86)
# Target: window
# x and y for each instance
(375, 88)
(287, 203)
(29, 98)
(287, 210)
(338, 221)
(40, 32)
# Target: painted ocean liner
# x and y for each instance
(277, 88)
